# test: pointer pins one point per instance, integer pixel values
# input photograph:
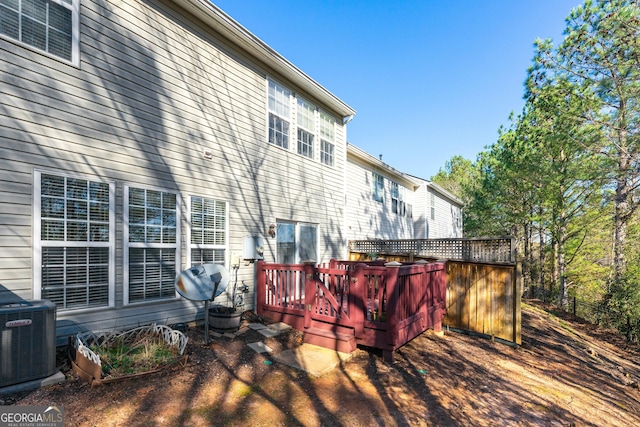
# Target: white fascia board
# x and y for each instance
(379, 165)
(217, 19)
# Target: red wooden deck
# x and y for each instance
(348, 303)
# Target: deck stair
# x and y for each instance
(333, 340)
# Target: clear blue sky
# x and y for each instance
(429, 79)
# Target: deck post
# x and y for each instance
(308, 277)
(358, 298)
(261, 287)
(425, 292)
(393, 271)
(440, 295)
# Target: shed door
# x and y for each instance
(296, 242)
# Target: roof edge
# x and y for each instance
(216, 18)
(441, 190)
(359, 153)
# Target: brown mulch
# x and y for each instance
(567, 372)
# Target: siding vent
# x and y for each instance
(207, 154)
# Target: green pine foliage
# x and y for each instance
(564, 177)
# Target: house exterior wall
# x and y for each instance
(434, 212)
(371, 219)
(158, 101)
(437, 215)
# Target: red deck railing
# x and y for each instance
(348, 303)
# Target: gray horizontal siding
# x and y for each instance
(444, 225)
(168, 313)
(153, 90)
(367, 218)
(15, 229)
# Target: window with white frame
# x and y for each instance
(305, 122)
(75, 246)
(327, 137)
(279, 115)
(151, 244)
(433, 206)
(378, 187)
(49, 26)
(296, 242)
(208, 231)
(306, 128)
(396, 198)
(399, 204)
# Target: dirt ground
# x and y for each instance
(566, 373)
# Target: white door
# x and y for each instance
(296, 242)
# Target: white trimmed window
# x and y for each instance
(151, 244)
(279, 115)
(209, 231)
(327, 138)
(433, 206)
(306, 128)
(396, 199)
(292, 117)
(296, 242)
(50, 26)
(399, 203)
(378, 187)
(75, 241)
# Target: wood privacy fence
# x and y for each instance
(348, 303)
(486, 249)
(484, 289)
(485, 299)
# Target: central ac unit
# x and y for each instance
(28, 341)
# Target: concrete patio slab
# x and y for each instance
(56, 378)
(268, 332)
(279, 327)
(260, 347)
(312, 359)
(257, 326)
